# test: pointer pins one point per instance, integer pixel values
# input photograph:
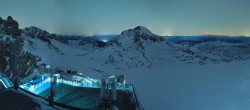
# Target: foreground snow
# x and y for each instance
(224, 86)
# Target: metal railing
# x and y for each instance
(137, 98)
(5, 81)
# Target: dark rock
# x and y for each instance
(138, 28)
(60, 38)
(43, 35)
(142, 33)
(10, 27)
(86, 40)
(3, 51)
(10, 18)
(45, 40)
(1, 20)
(9, 61)
(101, 44)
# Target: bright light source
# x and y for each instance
(104, 40)
(48, 66)
(32, 88)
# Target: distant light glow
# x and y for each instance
(104, 40)
(166, 34)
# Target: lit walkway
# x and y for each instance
(5, 81)
(38, 85)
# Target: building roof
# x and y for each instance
(13, 100)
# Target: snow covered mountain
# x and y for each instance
(10, 46)
(175, 69)
(14, 48)
(137, 47)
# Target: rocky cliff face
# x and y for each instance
(43, 35)
(13, 57)
(9, 27)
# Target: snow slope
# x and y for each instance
(223, 86)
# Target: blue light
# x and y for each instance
(104, 40)
(48, 66)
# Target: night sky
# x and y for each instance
(102, 17)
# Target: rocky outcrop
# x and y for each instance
(35, 32)
(12, 56)
(60, 38)
(43, 35)
(1, 20)
(9, 27)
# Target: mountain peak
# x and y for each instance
(10, 18)
(139, 30)
(143, 31)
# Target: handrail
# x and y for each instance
(137, 98)
(3, 84)
(7, 82)
(4, 81)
